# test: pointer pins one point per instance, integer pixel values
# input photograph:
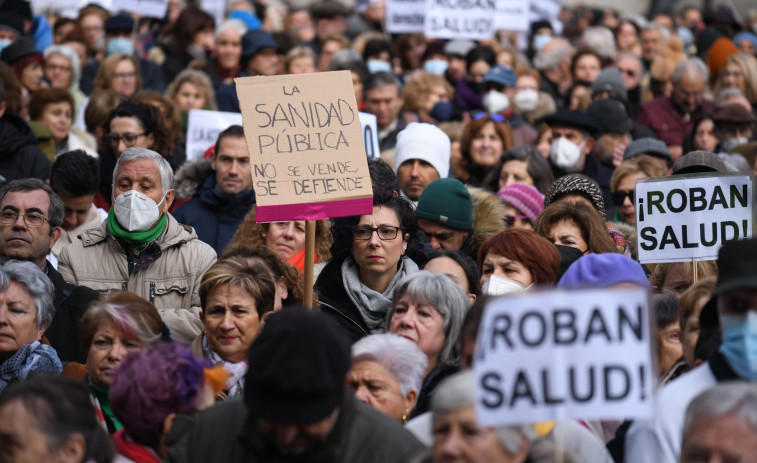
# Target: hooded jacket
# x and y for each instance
(19, 155)
(171, 281)
(214, 217)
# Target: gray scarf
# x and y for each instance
(372, 305)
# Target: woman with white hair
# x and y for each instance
(387, 373)
(63, 70)
(26, 310)
(428, 309)
(227, 57)
(459, 437)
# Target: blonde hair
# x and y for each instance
(420, 86)
(198, 79)
(644, 164)
(748, 66)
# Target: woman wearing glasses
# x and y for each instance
(623, 185)
(356, 286)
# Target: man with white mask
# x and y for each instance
(141, 248)
(499, 93)
(574, 134)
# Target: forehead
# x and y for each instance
(126, 123)
(139, 169)
(233, 145)
(691, 82)
(434, 227)
(24, 200)
(384, 91)
(564, 131)
(381, 215)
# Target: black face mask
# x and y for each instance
(477, 87)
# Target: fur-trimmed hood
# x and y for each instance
(191, 176)
(488, 216)
(629, 232)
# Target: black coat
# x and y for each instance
(19, 155)
(334, 301)
(64, 333)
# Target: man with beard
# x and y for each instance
(421, 156)
(296, 406)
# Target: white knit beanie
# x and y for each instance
(426, 142)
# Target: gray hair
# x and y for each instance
(724, 96)
(554, 57)
(601, 40)
(457, 392)
(446, 297)
(632, 56)
(663, 30)
(56, 210)
(35, 283)
(134, 153)
(690, 67)
(71, 55)
(399, 355)
(235, 25)
(380, 79)
(738, 397)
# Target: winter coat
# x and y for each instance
(171, 281)
(19, 155)
(488, 218)
(64, 332)
(667, 121)
(226, 432)
(214, 218)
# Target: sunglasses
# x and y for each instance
(618, 197)
(494, 117)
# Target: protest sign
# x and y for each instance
(215, 8)
(145, 8)
(546, 10)
(306, 147)
(203, 129)
(469, 19)
(685, 217)
(512, 15)
(370, 135)
(405, 16)
(561, 354)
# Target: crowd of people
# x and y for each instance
(146, 316)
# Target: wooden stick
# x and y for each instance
(694, 270)
(559, 446)
(309, 254)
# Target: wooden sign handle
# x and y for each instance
(309, 254)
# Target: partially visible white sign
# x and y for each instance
(405, 16)
(370, 135)
(203, 129)
(145, 8)
(462, 19)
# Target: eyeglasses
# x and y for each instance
(54, 68)
(124, 75)
(495, 117)
(32, 219)
(129, 138)
(441, 237)
(628, 72)
(510, 219)
(385, 232)
(619, 196)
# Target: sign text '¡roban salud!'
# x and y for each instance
(312, 115)
(693, 199)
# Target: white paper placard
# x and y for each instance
(560, 354)
(203, 129)
(512, 15)
(146, 8)
(405, 16)
(461, 19)
(685, 217)
(370, 135)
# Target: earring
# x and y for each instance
(404, 418)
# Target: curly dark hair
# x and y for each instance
(341, 227)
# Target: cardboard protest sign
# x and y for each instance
(685, 217)
(370, 135)
(306, 147)
(512, 15)
(564, 354)
(203, 129)
(469, 19)
(405, 16)
(146, 8)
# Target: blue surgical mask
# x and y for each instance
(4, 43)
(435, 66)
(377, 65)
(739, 346)
(120, 45)
(442, 111)
(540, 40)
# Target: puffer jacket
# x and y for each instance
(171, 282)
(19, 155)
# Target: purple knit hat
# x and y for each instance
(525, 198)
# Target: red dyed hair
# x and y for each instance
(534, 252)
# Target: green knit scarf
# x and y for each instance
(137, 238)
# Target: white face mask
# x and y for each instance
(135, 211)
(526, 99)
(495, 102)
(497, 286)
(566, 155)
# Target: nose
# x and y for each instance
(234, 169)
(19, 223)
(286, 434)
(121, 145)
(361, 392)
(374, 241)
(627, 202)
(451, 445)
(69, 220)
(117, 352)
(227, 323)
(416, 170)
(434, 242)
(289, 230)
(3, 316)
